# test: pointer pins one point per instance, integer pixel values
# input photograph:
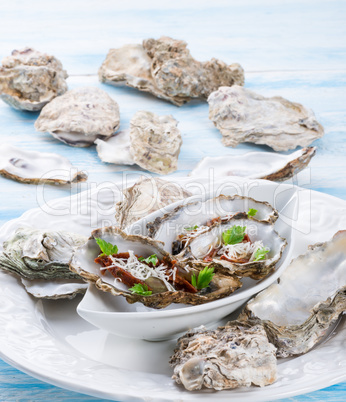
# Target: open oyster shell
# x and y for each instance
(83, 264)
(165, 68)
(244, 116)
(34, 167)
(236, 355)
(55, 289)
(153, 142)
(309, 297)
(145, 197)
(256, 165)
(80, 116)
(30, 79)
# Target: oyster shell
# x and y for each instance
(145, 197)
(244, 116)
(37, 167)
(236, 355)
(30, 79)
(54, 289)
(162, 295)
(153, 143)
(165, 68)
(256, 165)
(309, 297)
(80, 116)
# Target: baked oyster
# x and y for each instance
(153, 143)
(165, 68)
(244, 116)
(308, 299)
(30, 79)
(80, 116)
(137, 268)
(236, 355)
(34, 167)
(146, 196)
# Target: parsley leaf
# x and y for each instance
(204, 278)
(260, 253)
(234, 235)
(106, 248)
(252, 212)
(191, 227)
(140, 289)
(151, 259)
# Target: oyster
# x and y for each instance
(37, 167)
(165, 68)
(80, 116)
(162, 282)
(309, 297)
(244, 116)
(30, 79)
(153, 143)
(145, 197)
(54, 289)
(256, 165)
(232, 356)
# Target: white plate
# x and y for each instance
(47, 339)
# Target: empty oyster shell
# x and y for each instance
(34, 167)
(80, 116)
(145, 197)
(309, 297)
(256, 165)
(30, 79)
(153, 143)
(165, 68)
(244, 116)
(54, 289)
(232, 356)
(163, 294)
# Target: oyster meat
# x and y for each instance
(308, 299)
(37, 167)
(244, 116)
(80, 116)
(236, 355)
(30, 79)
(153, 143)
(147, 196)
(140, 270)
(41, 259)
(165, 68)
(255, 165)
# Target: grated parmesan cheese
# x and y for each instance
(241, 250)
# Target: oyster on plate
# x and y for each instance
(153, 143)
(137, 268)
(165, 68)
(244, 116)
(30, 79)
(147, 196)
(41, 259)
(80, 116)
(236, 355)
(308, 299)
(256, 165)
(37, 167)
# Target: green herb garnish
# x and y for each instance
(234, 235)
(152, 259)
(141, 289)
(191, 227)
(204, 278)
(106, 248)
(252, 212)
(260, 253)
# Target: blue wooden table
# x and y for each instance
(294, 49)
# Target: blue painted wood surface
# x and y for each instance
(296, 49)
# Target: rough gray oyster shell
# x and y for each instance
(236, 355)
(147, 196)
(80, 116)
(308, 299)
(165, 68)
(153, 143)
(83, 264)
(30, 79)
(244, 116)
